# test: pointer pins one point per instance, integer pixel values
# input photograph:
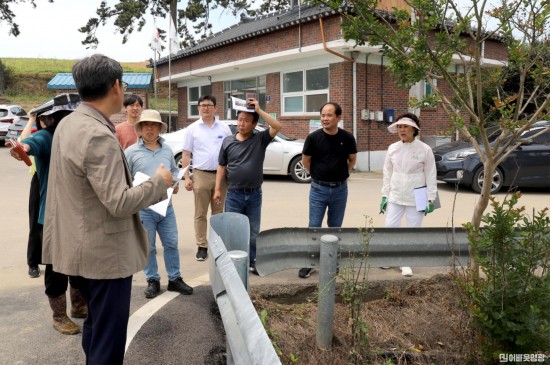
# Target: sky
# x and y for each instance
(51, 31)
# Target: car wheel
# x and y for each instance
(496, 184)
(178, 160)
(298, 172)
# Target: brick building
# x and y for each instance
(296, 60)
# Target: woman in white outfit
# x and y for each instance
(409, 164)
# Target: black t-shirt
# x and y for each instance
(329, 154)
(244, 160)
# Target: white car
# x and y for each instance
(282, 157)
(9, 114)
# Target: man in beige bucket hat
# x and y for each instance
(145, 156)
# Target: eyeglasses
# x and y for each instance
(206, 106)
(124, 85)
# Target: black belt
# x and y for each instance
(329, 184)
(209, 171)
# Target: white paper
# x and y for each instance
(160, 207)
(421, 198)
(182, 171)
(240, 104)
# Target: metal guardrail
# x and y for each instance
(293, 248)
(247, 340)
(327, 248)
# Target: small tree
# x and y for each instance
(423, 44)
(2, 79)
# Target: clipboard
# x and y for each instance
(421, 199)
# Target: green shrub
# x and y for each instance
(510, 304)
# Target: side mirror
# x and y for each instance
(526, 141)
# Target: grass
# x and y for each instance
(31, 75)
(54, 66)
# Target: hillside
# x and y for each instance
(28, 79)
(37, 66)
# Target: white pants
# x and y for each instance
(395, 213)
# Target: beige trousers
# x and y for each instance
(203, 189)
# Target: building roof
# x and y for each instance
(63, 81)
(253, 27)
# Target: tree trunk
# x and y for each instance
(481, 205)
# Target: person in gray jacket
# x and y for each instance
(93, 230)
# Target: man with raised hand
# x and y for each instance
(241, 166)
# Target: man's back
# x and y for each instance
(91, 229)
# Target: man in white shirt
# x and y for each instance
(203, 139)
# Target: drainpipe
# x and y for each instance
(367, 107)
(354, 81)
(325, 44)
(354, 99)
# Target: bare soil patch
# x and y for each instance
(409, 322)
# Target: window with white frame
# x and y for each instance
(304, 91)
(193, 95)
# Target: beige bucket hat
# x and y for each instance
(150, 115)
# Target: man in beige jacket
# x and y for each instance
(92, 229)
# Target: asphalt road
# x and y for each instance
(175, 329)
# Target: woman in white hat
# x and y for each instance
(409, 164)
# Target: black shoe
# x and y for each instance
(305, 272)
(253, 270)
(153, 288)
(202, 254)
(179, 286)
(34, 271)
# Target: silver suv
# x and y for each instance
(9, 114)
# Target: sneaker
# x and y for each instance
(34, 271)
(305, 272)
(180, 286)
(152, 290)
(406, 271)
(253, 269)
(202, 254)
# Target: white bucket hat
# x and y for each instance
(150, 115)
(407, 121)
(58, 112)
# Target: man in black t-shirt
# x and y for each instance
(240, 164)
(329, 155)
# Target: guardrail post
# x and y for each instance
(240, 260)
(327, 289)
